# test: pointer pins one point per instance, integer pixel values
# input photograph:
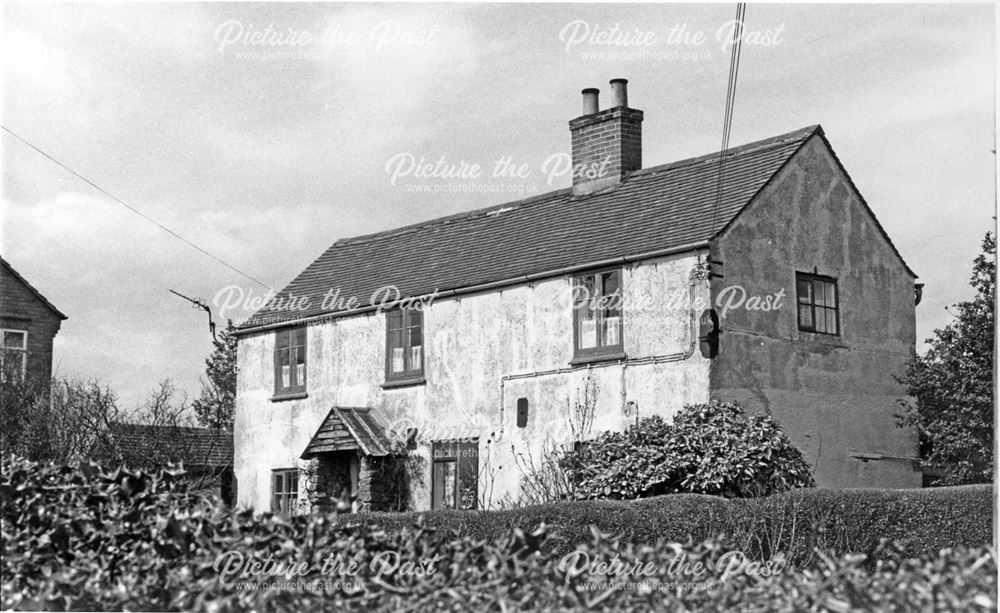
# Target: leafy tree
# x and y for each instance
(714, 448)
(952, 385)
(217, 403)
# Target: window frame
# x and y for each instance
(297, 339)
(409, 373)
(460, 453)
(599, 351)
(21, 352)
(812, 279)
(286, 501)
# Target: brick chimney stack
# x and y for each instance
(607, 145)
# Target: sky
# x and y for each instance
(265, 132)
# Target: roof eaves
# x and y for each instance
(246, 328)
(32, 289)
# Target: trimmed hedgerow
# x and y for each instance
(794, 523)
(920, 521)
(82, 538)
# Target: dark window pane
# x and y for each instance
(416, 336)
(281, 339)
(13, 340)
(804, 289)
(610, 283)
(395, 320)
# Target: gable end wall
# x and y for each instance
(835, 396)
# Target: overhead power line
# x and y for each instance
(727, 123)
(134, 210)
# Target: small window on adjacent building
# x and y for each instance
(404, 344)
(284, 490)
(14, 354)
(597, 322)
(818, 303)
(290, 361)
(455, 474)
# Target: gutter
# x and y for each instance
(471, 289)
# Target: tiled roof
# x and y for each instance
(196, 447)
(345, 429)
(653, 209)
(31, 289)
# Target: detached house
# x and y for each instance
(28, 325)
(543, 321)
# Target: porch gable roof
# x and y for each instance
(350, 428)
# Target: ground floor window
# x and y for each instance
(14, 354)
(455, 474)
(284, 490)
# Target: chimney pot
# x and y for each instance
(590, 104)
(620, 88)
(606, 145)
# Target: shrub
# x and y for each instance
(83, 538)
(712, 448)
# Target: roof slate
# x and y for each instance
(653, 209)
(197, 447)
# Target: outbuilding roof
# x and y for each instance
(197, 447)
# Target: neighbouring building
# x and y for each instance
(28, 325)
(205, 453)
(540, 322)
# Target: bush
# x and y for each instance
(83, 538)
(712, 448)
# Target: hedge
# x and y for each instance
(80, 537)
(842, 521)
